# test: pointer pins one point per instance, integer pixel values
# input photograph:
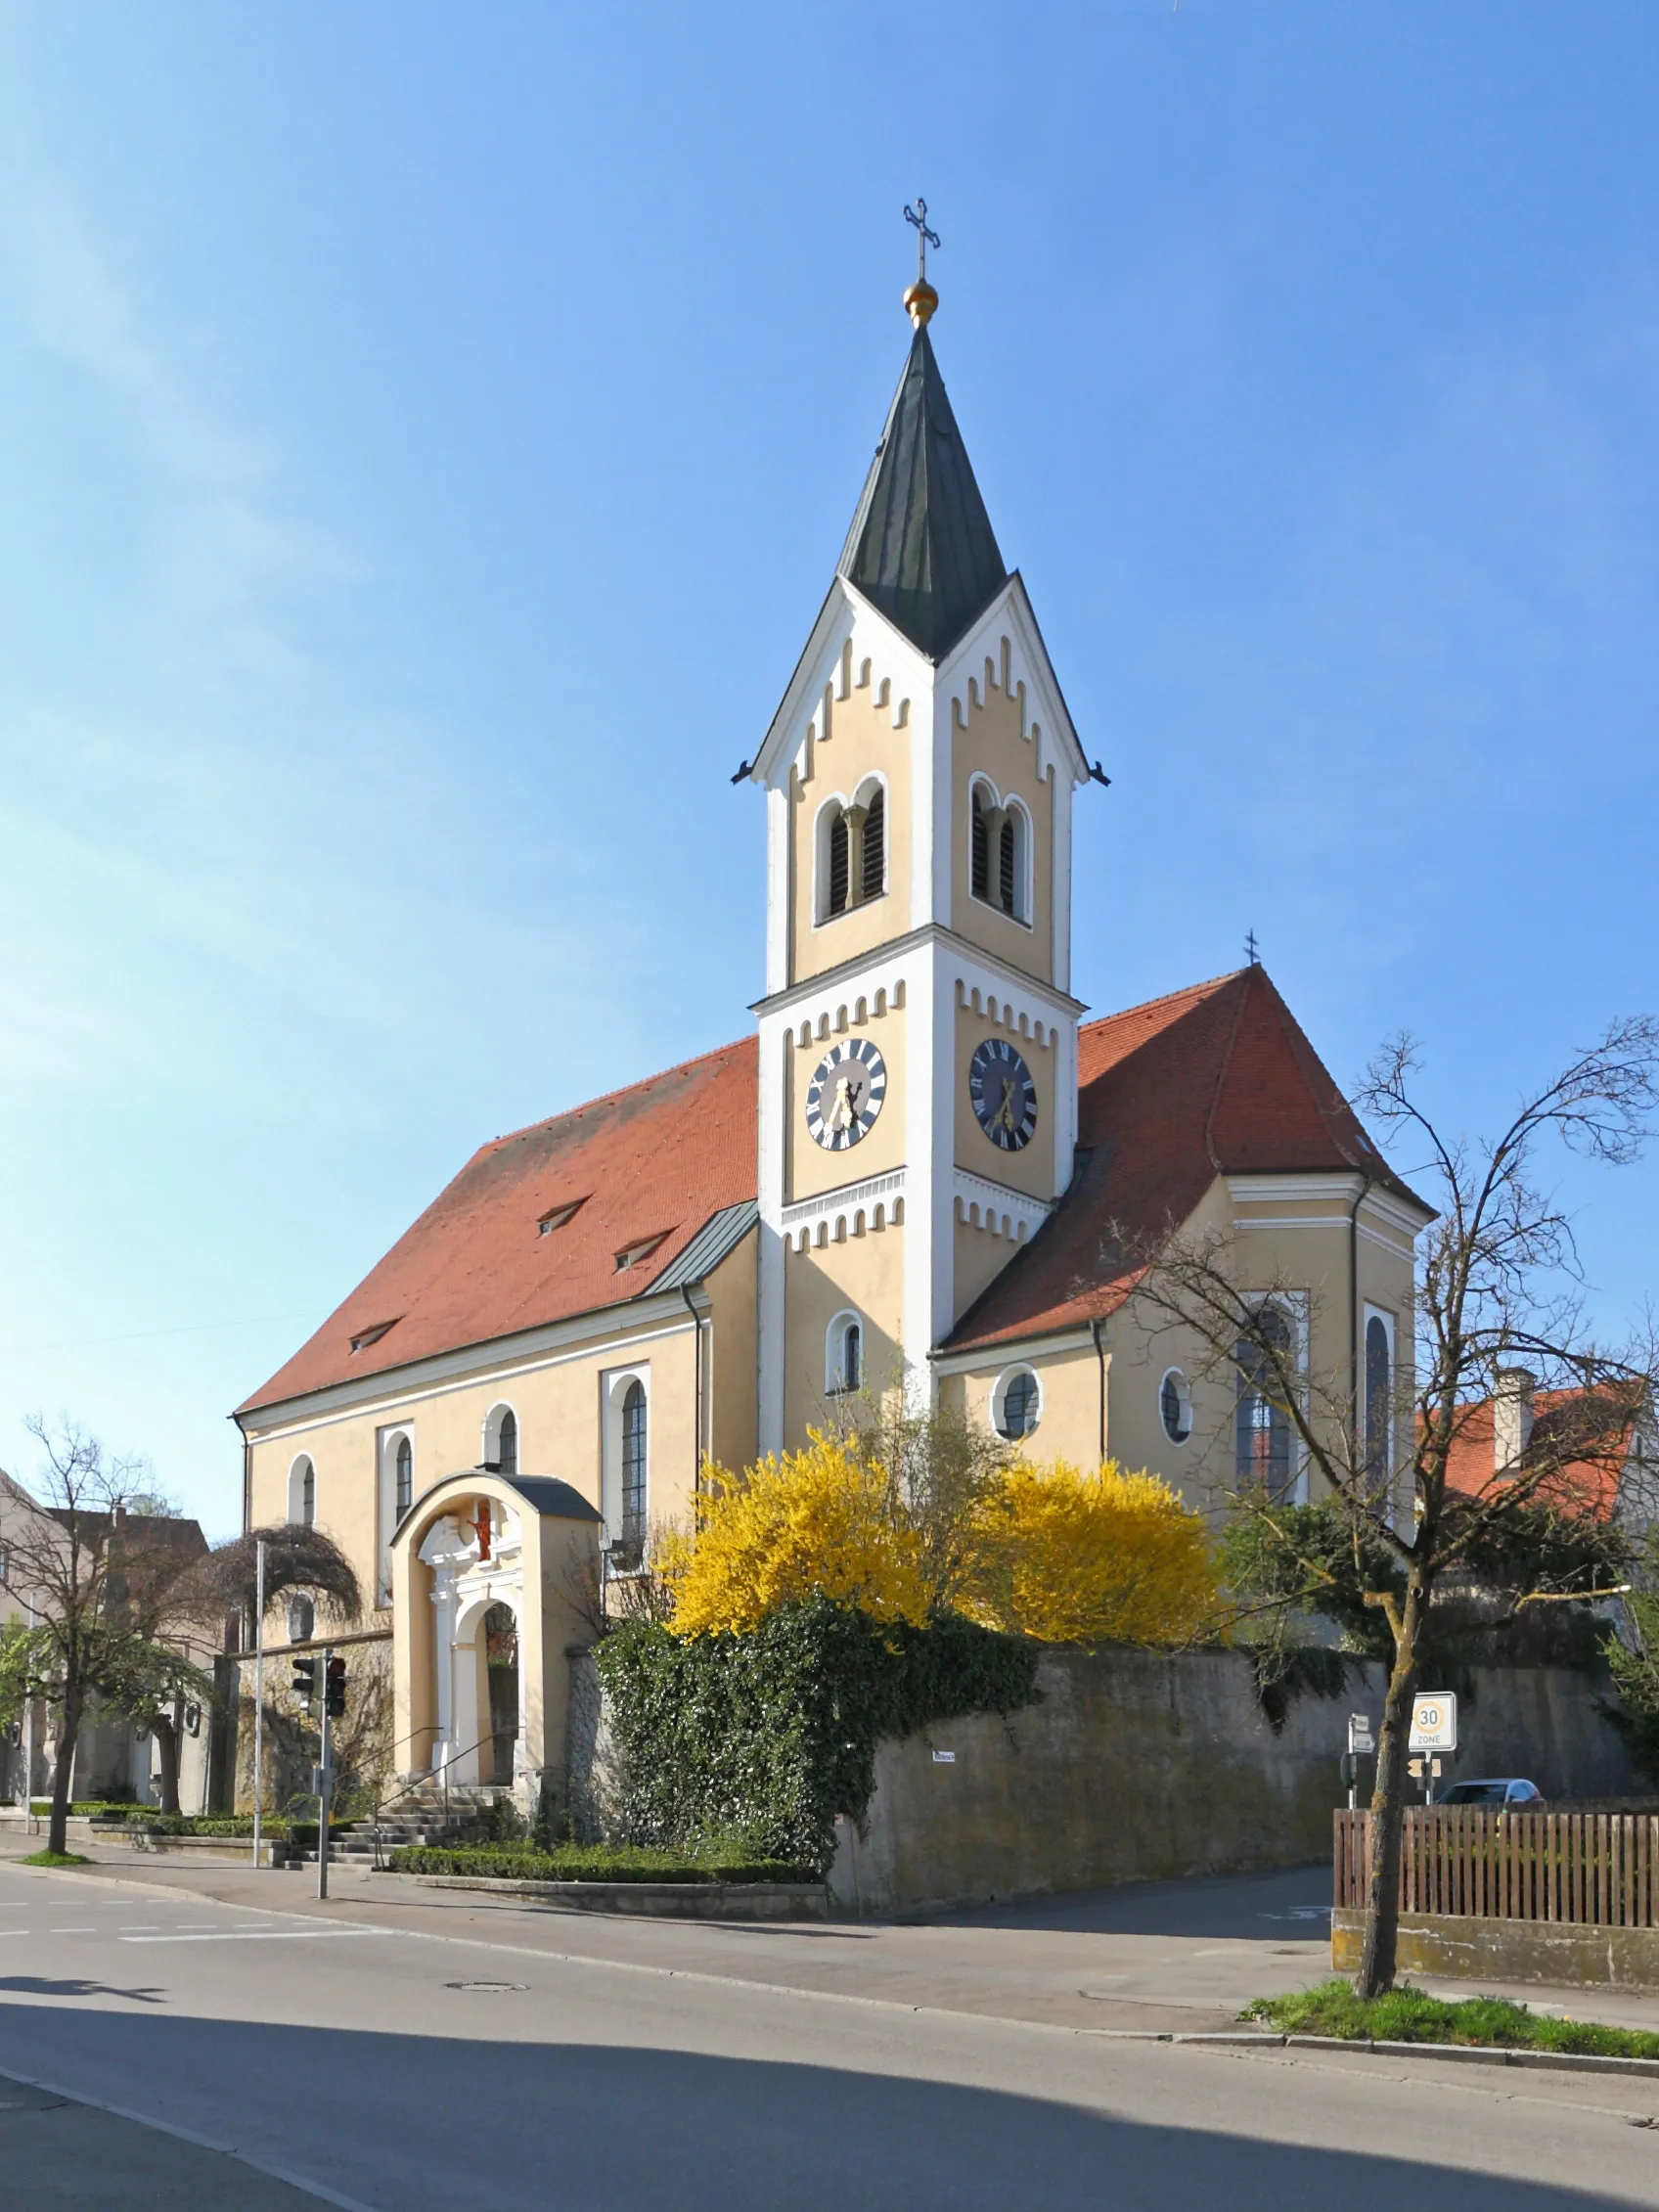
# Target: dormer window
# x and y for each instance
(364, 1337)
(631, 1255)
(557, 1218)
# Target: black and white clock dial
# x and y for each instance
(845, 1094)
(1004, 1095)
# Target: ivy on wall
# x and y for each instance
(762, 1738)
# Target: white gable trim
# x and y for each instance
(1007, 635)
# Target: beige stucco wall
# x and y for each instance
(559, 1404)
(809, 1168)
(1303, 1248)
(855, 740)
(1033, 1169)
(862, 1272)
(987, 741)
(729, 1353)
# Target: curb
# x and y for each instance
(1463, 2053)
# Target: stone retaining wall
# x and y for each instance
(1463, 1948)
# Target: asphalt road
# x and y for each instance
(363, 2062)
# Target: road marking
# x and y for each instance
(71, 1931)
(141, 1928)
(254, 1935)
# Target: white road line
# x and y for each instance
(141, 1928)
(256, 1935)
(71, 1931)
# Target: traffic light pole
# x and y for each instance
(326, 1778)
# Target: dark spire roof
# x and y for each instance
(921, 547)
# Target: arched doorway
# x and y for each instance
(500, 1674)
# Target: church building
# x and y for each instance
(917, 1171)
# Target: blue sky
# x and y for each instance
(425, 435)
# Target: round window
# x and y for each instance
(1018, 1404)
(1175, 1404)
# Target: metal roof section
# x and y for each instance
(552, 1499)
(922, 547)
(719, 1237)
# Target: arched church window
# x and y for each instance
(1379, 1392)
(1262, 1436)
(840, 857)
(632, 1531)
(301, 1619)
(873, 867)
(981, 868)
(303, 1493)
(405, 1466)
(843, 1359)
(506, 1443)
(1006, 857)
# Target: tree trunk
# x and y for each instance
(1388, 1803)
(58, 1821)
(165, 1732)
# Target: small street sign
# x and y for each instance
(1434, 1722)
(944, 1758)
(1362, 1744)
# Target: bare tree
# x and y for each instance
(67, 1560)
(1497, 1290)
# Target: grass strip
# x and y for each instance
(52, 1859)
(586, 1863)
(1406, 2015)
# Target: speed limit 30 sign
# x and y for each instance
(1434, 1722)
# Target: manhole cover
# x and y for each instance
(490, 1988)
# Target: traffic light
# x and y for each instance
(305, 1678)
(334, 1687)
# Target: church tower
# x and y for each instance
(917, 1057)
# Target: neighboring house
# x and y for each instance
(1597, 1445)
(916, 1174)
(112, 1759)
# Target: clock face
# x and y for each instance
(845, 1094)
(1005, 1098)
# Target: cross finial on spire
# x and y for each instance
(921, 300)
(1252, 951)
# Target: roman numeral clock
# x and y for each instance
(1004, 1095)
(845, 1095)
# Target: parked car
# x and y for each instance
(1511, 1791)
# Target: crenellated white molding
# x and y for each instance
(981, 1203)
(850, 1210)
(1004, 650)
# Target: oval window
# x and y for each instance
(1175, 1406)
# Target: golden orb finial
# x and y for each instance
(920, 299)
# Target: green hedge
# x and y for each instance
(756, 1742)
(584, 1862)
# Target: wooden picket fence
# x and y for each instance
(1602, 1869)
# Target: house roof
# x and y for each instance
(1583, 1436)
(921, 547)
(657, 1160)
(1215, 1080)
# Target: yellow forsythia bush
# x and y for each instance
(824, 1519)
(1085, 1559)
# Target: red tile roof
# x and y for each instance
(1215, 1080)
(661, 1157)
(1588, 1434)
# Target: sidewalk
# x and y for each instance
(1166, 1956)
(59, 2155)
